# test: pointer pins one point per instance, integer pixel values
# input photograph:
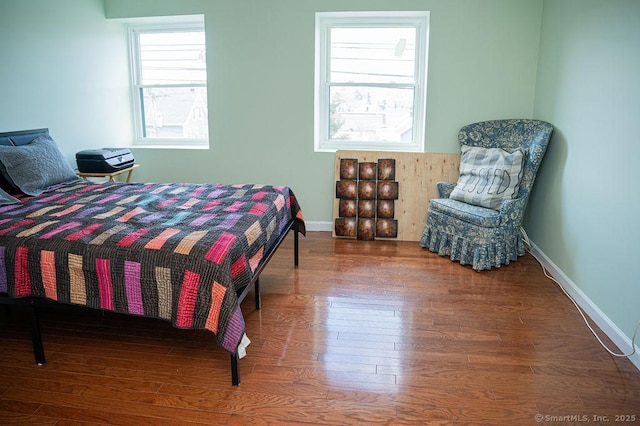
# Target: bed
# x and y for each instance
(181, 252)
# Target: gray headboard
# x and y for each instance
(21, 137)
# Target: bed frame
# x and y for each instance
(30, 303)
(292, 225)
(36, 336)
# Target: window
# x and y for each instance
(169, 81)
(371, 74)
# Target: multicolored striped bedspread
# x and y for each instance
(178, 252)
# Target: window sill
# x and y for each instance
(369, 147)
(188, 147)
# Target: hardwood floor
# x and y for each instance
(363, 332)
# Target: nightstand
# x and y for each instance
(111, 175)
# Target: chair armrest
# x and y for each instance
(512, 211)
(445, 188)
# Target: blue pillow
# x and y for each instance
(34, 167)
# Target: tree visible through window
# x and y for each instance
(170, 84)
(371, 80)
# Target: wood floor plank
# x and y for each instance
(105, 383)
(114, 408)
(363, 332)
(8, 419)
(9, 406)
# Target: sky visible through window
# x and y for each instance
(372, 76)
(173, 77)
(173, 58)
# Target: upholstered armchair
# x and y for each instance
(477, 221)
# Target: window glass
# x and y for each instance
(169, 77)
(362, 113)
(373, 55)
(173, 57)
(371, 80)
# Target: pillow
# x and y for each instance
(34, 167)
(6, 198)
(488, 176)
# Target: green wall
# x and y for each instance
(585, 208)
(482, 65)
(63, 66)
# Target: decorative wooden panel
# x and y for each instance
(416, 175)
(361, 205)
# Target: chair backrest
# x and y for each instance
(531, 135)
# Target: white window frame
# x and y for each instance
(165, 24)
(327, 20)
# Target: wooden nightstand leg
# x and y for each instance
(129, 175)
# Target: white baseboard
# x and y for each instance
(318, 226)
(591, 309)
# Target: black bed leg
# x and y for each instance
(295, 244)
(36, 336)
(235, 370)
(256, 286)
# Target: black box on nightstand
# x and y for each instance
(105, 160)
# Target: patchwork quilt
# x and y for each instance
(179, 252)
